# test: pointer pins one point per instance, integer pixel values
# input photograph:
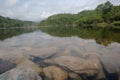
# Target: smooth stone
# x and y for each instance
(20, 74)
(90, 66)
(6, 65)
(55, 73)
(74, 76)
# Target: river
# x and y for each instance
(46, 46)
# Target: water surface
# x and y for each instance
(44, 45)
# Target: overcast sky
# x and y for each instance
(36, 10)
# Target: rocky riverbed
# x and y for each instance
(39, 56)
(89, 67)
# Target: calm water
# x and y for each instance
(42, 44)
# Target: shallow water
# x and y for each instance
(45, 46)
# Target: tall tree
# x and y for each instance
(106, 9)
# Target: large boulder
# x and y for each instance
(90, 66)
(55, 73)
(20, 74)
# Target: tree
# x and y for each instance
(106, 9)
(7, 22)
(100, 7)
(115, 13)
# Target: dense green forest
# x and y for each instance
(6, 22)
(105, 15)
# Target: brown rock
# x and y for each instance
(74, 76)
(90, 66)
(30, 64)
(55, 73)
(20, 74)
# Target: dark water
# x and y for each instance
(59, 42)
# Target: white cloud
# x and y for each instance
(10, 3)
(45, 14)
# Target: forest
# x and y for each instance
(6, 22)
(104, 15)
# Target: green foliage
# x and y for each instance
(116, 23)
(101, 24)
(6, 22)
(107, 6)
(89, 17)
(114, 14)
(104, 16)
(106, 9)
(59, 19)
(100, 7)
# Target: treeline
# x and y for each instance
(6, 22)
(105, 15)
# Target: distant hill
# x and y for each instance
(6, 22)
(105, 14)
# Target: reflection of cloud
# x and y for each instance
(39, 9)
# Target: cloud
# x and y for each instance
(35, 10)
(8, 3)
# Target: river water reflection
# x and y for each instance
(41, 44)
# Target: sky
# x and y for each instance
(36, 10)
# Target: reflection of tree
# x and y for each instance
(102, 36)
(105, 38)
(7, 33)
(104, 41)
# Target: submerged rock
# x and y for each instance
(6, 65)
(111, 67)
(74, 76)
(90, 67)
(27, 70)
(31, 65)
(55, 73)
(59, 68)
(20, 74)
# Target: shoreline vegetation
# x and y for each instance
(101, 24)
(6, 22)
(106, 16)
